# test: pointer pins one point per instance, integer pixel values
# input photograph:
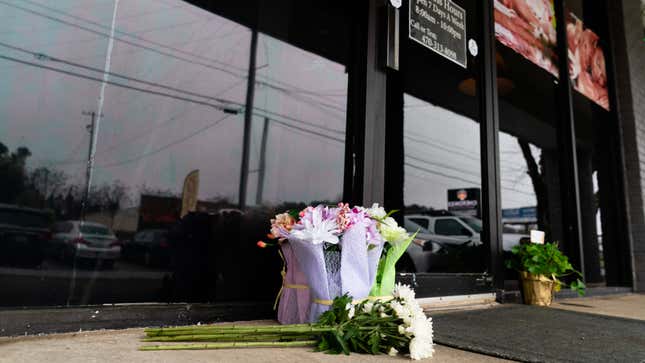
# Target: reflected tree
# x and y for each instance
(536, 172)
(48, 183)
(109, 198)
(12, 173)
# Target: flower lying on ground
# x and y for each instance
(389, 327)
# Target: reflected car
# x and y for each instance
(86, 241)
(23, 235)
(447, 243)
(149, 247)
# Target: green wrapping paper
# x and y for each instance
(386, 272)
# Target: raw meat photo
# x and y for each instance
(528, 27)
(586, 62)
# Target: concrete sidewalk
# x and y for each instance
(121, 346)
(631, 306)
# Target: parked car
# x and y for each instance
(447, 243)
(149, 247)
(23, 235)
(86, 241)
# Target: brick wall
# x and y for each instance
(626, 29)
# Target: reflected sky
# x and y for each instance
(193, 65)
(442, 152)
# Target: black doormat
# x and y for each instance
(537, 334)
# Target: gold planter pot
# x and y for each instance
(538, 290)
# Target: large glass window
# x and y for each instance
(528, 140)
(108, 107)
(598, 156)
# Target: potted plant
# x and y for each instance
(541, 266)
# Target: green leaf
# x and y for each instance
(341, 342)
(374, 341)
(294, 213)
(390, 213)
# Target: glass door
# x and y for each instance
(434, 144)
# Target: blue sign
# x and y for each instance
(520, 213)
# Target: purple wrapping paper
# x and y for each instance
(354, 263)
(294, 301)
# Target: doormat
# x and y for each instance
(539, 334)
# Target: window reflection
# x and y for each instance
(528, 152)
(597, 157)
(442, 189)
(165, 97)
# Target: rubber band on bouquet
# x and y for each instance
(356, 302)
(283, 273)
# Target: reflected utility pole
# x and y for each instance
(248, 118)
(263, 161)
(90, 161)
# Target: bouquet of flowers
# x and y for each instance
(393, 326)
(343, 250)
(338, 249)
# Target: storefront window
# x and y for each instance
(528, 140)
(596, 137)
(442, 185)
(152, 92)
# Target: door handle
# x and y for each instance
(389, 54)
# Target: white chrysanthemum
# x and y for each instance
(402, 329)
(391, 231)
(421, 327)
(376, 211)
(368, 306)
(415, 323)
(405, 293)
(350, 310)
(421, 345)
(398, 308)
(392, 352)
(402, 312)
(420, 348)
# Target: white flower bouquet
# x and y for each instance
(394, 326)
(340, 250)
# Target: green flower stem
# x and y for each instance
(226, 345)
(246, 330)
(193, 328)
(227, 337)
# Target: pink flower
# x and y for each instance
(316, 226)
(281, 225)
(343, 218)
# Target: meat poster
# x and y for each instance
(528, 27)
(586, 62)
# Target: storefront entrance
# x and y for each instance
(433, 140)
(281, 104)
